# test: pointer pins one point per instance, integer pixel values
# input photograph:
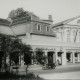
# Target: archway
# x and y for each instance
(76, 55)
(51, 57)
(69, 56)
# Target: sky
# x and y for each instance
(59, 9)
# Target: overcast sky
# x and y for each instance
(59, 9)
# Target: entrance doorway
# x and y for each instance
(69, 56)
(76, 57)
(51, 57)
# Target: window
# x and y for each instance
(38, 27)
(47, 28)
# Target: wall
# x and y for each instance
(68, 33)
(72, 32)
(43, 38)
(22, 28)
(43, 28)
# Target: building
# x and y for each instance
(60, 41)
(68, 34)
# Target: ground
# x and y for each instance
(70, 71)
(67, 75)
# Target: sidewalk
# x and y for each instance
(69, 65)
(39, 67)
(58, 69)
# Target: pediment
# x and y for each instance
(74, 21)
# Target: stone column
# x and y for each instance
(19, 58)
(64, 58)
(73, 57)
(22, 60)
(46, 55)
(32, 61)
(56, 57)
(46, 52)
(34, 55)
(78, 57)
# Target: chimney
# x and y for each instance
(50, 17)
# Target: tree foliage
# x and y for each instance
(27, 51)
(18, 49)
(18, 13)
(15, 51)
(4, 46)
(39, 54)
(14, 48)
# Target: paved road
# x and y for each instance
(58, 73)
(72, 72)
(67, 75)
(56, 70)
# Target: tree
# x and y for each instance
(4, 44)
(27, 51)
(15, 51)
(19, 13)
(18, 49)
(39, 55)
(14, 48)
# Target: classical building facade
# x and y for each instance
(68, 34)
(60, 41)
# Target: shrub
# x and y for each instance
(11, 76)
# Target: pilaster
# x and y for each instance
(73, 57)
(64, 58)
(78, 57)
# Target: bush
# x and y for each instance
(11, 76)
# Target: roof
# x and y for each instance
(5, 27)
(6, 30)
(20, 20)
(32, 17)
(64, 22)
(9, 31)
(4, 22)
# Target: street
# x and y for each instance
(63, 72)
(71, 71)
(56, 70)
(67, 75)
